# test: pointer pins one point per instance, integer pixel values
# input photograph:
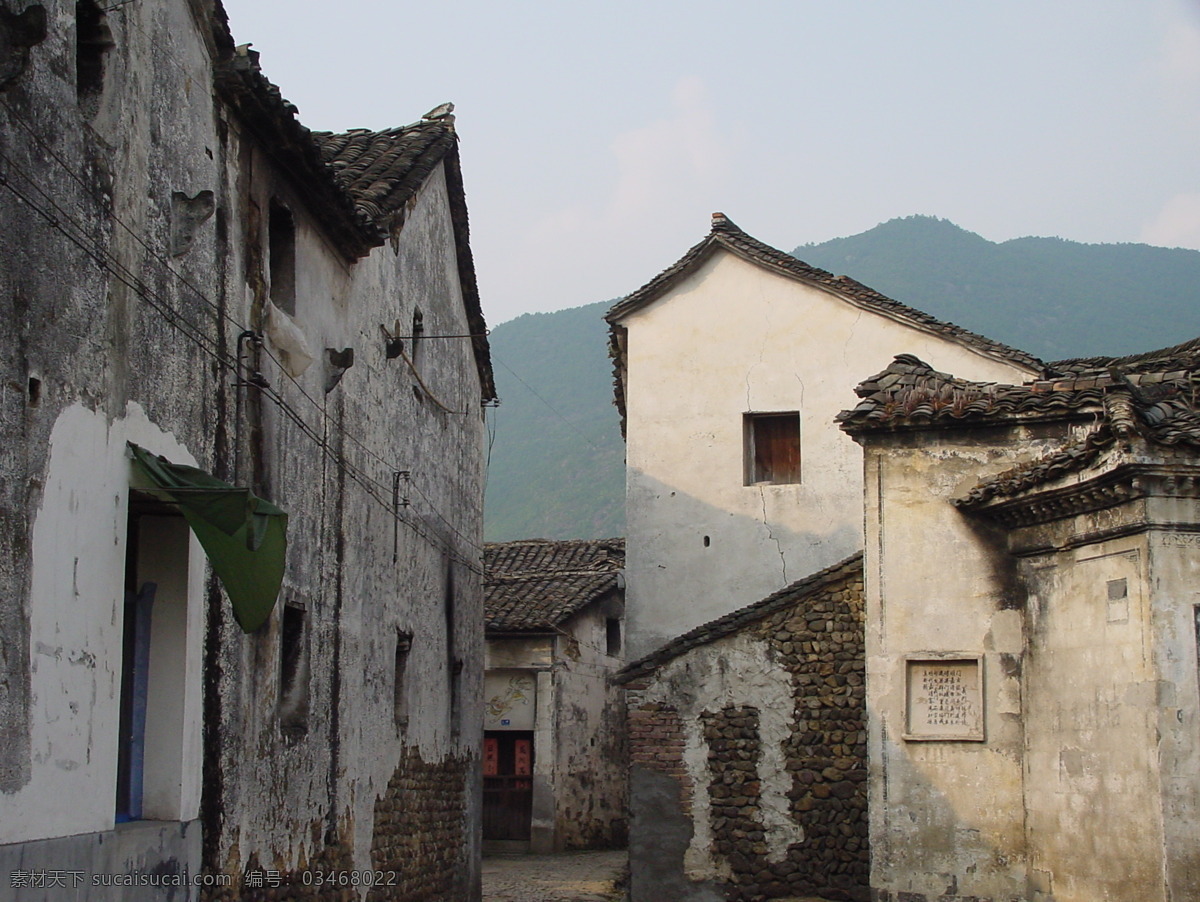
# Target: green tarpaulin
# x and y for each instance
(245, 537)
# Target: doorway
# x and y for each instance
(507, 784)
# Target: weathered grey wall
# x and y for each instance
(139, 345)
(589, 749)
(1078, 598)
(936, 583)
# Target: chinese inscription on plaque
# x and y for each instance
(945, 699)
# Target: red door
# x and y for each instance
(507, 784)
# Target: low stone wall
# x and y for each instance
(815, 641)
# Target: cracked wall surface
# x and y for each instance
(730, 339)
(134, 234)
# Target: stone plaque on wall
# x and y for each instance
(944, 698)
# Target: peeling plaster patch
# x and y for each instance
(740, 673)
(74, 758)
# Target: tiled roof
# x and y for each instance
(1152, 395)
(273, 122)
(736, 620)
(356, 184)
(383, 170)
(909, 392)
(536, 584)
(728, 236)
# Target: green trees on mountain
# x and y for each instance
(557, 461)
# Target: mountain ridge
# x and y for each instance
(556, 467)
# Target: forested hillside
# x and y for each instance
(557, 465)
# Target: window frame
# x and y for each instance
(756, 426)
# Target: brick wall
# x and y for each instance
(656, 740)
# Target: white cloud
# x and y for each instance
(1180, 54)
(1177, 223)
(668, 172)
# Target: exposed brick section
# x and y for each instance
(419, 824)
(656, 741)
(733, 751)
(417, 851)
(309, 882)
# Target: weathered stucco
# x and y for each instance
(747, 752)
(579, 761)
(734, 338)
(1077, 599)
(124, 307)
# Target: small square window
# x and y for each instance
(772, 448)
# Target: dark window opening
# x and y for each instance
(612, 636)
(93, 40)
(418, 333)
(35, 391)
(772, 448)
(281, 228)
(293, 670)
(399, 689)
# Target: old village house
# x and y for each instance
(554, 720)
(215, 321)
(1020, 611)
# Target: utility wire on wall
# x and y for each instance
(194, 333)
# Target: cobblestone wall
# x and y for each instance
(816, 638)
(734, 790)
(821, 645)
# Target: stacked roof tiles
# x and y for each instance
(1152, 395)
(536, 584)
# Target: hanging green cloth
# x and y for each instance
(244, 536)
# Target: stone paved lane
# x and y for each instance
(565, 877)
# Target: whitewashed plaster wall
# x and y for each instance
(589, 735)
(1112, 703)
(942, 812)
(76, 605)
(732, 672)
(92, 342)
(1091, 715)
(734, 338)
(395, 577)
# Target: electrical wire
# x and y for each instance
(553, 409)
(106, 261)
(225, 315)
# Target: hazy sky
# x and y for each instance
(597, 138)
